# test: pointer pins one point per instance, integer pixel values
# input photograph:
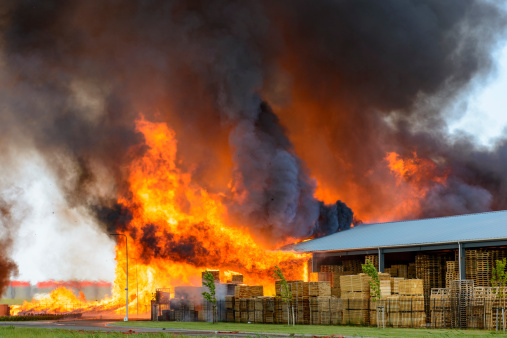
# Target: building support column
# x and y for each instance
(314, 263)
(461, 261)
(380, 260)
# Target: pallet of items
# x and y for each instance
(355, 296)
(264, 310)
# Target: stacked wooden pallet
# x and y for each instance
(373, 259)
(499, 296)
(325, 310)
(215, 273)
(398, 271)
(332, 268)
(355, 283)
(410, 287)
(484, 265)
(352, 266)
(440, 307)
(237, 279)
(335, 283)
(385, 311)
(355, 308)
(471, 264)
(355, 295)
(461, 293)
(451, 273)
(411, 303)
(411, 271)
(264, 310)
(395, 284)
(241, 310)
(229, 308)
(321, 276)
(248, 291)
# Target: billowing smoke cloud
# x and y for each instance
(7, 266)
(264, 97)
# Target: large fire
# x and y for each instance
(177, 231)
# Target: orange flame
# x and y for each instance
(177, 231)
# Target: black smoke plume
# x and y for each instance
(347, 81)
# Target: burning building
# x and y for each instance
(204, 130)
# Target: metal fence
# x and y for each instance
(434, 311)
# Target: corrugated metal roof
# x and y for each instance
(471, 227)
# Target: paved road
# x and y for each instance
(102, 325)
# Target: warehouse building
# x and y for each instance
(437, 250)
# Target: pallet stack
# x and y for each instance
(395, 284)
(355, 295)
(480, 314)
(244, 302)
(215, 273)
(451, 273)
(411, 303)
(237, 279)
(411, 271)
(373, 259)
(265, 310)
(461, 293)
(499, 296)
(398, 271)
(229, 308)
(352, 266)
(440, 307)
(248, 291)
(484, 265)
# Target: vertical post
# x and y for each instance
(380, 260)
(461, 261)
(314, 263)
(497, 319)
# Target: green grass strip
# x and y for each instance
(310, 329)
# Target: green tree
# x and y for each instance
(285, 292)
(209, 282)
(499, 277)
(371, 271)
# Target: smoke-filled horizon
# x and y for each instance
(285, 109)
